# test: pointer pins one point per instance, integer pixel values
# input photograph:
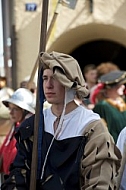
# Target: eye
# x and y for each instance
(44, 78)
(15, 109)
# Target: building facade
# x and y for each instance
(94, 31)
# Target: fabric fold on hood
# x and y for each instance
(66, 70)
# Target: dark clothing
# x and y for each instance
(70, 165)
(65, 168)
(23, 158)
(62, 172)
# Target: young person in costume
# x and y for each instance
(112, 108)
(77, 151)
(21, 105)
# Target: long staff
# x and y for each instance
(53, 21)
(36, 123)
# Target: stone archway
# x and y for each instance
(94, 43)
(98, 51)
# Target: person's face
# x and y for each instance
(91, 76)
(53, 90)
(117, 90)
(120, 90)
(16, 113)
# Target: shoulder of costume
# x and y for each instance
(102, 102)
(26, 128)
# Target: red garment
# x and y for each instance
(8, 151)
(95, 92)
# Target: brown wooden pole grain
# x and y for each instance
(42, 47)
(51, 26)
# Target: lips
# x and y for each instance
(49, 94)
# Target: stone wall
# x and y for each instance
(72, 28)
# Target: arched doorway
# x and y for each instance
(93, 43)
(98, 51)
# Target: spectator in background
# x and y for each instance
(21, 105)
(112, 108)
(106, 67)
(90, 75)
(5, 92)
(3, 85)
(96, 93)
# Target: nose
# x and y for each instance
(49, 83)
(11, 111)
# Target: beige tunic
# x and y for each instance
(101, 159)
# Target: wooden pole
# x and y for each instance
(33, 73)
(56, 12)
(37, 114)
(53, 21)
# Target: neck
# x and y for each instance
(112, 95)
(58, 109)
(91, 84)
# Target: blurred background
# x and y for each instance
(92, 31)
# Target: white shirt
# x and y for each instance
(73, 125)
(74, 122)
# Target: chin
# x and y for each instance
(50, 101)
(13, 121)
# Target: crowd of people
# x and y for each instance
(83, 127)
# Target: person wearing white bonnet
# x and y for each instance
(77, 152)
(21, 105)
